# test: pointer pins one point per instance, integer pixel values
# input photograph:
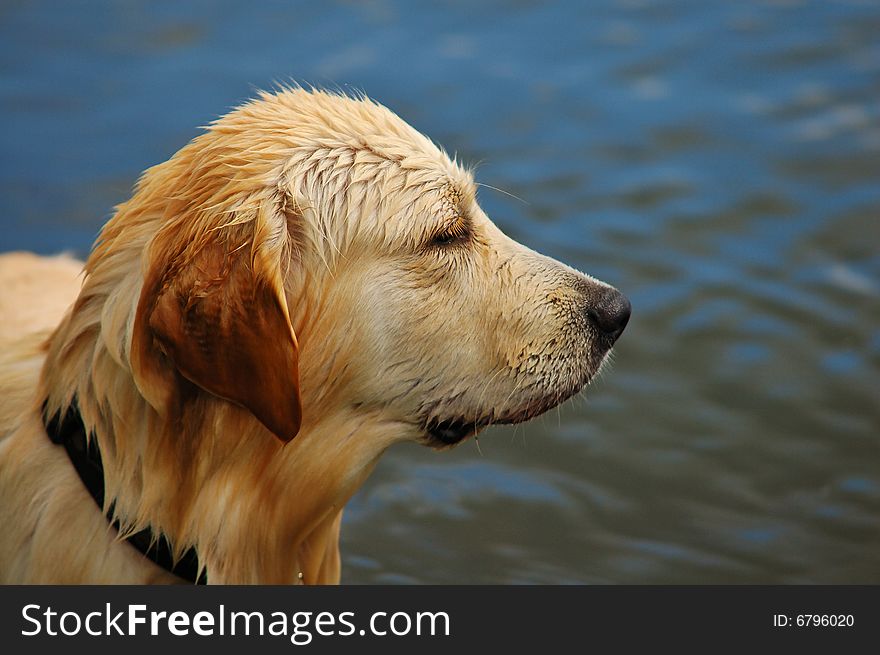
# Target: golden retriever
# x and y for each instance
(304, 285)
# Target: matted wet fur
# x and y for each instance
(302, 286)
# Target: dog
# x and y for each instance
(305, 284)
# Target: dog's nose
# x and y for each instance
(610, 314)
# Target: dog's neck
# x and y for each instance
(256, 511)
(208, 474)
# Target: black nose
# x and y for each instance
(610, 314)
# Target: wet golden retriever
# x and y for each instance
(306, 284)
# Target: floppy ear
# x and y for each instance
(214, 309)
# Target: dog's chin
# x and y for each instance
(443, 433)
(447, 433)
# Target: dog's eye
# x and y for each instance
(452, 234)
(444, 239)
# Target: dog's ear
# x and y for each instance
(213, 308)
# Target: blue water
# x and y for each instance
(717, 161)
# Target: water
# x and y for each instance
(719, 162)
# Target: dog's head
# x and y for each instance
(316, 254)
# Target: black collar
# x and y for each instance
(70, 431)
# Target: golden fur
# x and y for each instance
(302, 286)
(35, 292)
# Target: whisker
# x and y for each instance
(506, 193)
(483, 392)
(477, 442)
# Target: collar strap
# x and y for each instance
(70, 431)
